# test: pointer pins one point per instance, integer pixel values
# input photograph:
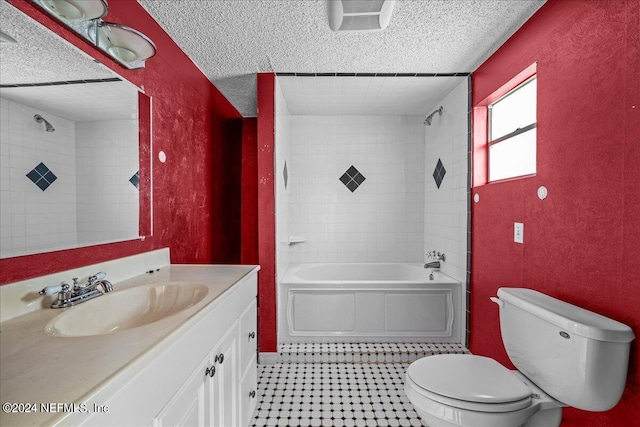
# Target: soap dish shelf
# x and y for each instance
(292, 240)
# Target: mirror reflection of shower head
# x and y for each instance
(38, 118)
(427, 121)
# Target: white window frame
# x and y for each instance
(511, 134)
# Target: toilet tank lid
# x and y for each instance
(567, 316)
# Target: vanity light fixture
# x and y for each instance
(126, 45)
(75, 10)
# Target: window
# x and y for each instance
(512, 133)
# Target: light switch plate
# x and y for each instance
(518, 232)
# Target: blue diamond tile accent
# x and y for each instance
(352, 185)
(50, 176)
(285, 173)
(439, 173)
(352, 178)
(34, 175)
(42, 176)
(42, 184)
(42, 169)
(135, 180)
(345, 178)
(358, 178)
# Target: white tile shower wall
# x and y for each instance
(445, 208)
(107, 157)
(283, 144)
(30, 218)
(382, 220)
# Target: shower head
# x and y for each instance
(427, 121)
(38, 118)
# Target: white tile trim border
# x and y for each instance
(270, 358)
(363, 352)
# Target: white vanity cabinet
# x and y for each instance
(222, 389)
(206, 376)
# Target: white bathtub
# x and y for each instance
(368, 303)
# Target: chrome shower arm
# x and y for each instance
(427, 121)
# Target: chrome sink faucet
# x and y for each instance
(69, 296)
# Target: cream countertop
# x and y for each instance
(39, 368)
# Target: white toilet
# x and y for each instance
(565, 356)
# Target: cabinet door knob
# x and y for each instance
(252, 394)
(252, 335)
(211, 371)
(219, 358)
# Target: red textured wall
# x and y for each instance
(581, 243)
(196, 192)
(267, 315)
(249, 231)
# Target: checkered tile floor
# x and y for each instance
(330, 393)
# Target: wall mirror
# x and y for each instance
(75, 145)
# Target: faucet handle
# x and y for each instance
(56, 289)
(50, 290)
(432, 255)
(98, 276)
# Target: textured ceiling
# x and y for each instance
(231, 40)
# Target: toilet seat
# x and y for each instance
(469, 382)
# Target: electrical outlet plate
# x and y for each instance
(518, 232)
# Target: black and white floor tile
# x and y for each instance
(333, 394)
(315, 385)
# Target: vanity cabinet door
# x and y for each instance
(190, 406)
(248, 393)
(224, 386)
(248, 335)
(207, 397)
(247, 343)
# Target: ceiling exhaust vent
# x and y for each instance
(360, 15)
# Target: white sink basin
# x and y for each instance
(126, 309)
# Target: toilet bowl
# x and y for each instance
(579, 357)
(465, 390)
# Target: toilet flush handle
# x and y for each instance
(497, 301)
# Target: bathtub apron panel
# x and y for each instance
(368, 305)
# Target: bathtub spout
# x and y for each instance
(433, 264)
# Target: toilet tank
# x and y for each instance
(577, 356)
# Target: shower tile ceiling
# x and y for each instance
(392, 96)
(231, 40)
(80, 102)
